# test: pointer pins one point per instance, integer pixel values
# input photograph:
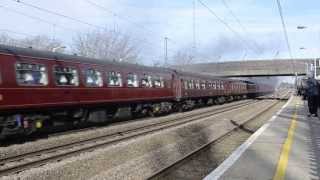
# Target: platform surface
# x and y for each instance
(287, 147)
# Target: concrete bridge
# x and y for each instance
(251, 68)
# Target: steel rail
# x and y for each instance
(199, 149)
(108, 140)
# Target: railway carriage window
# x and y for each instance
(66, 76)
(162, 83)
(132, 80)
(186, 84)
(159, 82)
(208, 85)
(94, 78)
(114, 79)
(191, 84)
(222, 85)
(203, 85)
(150, 81)
(214, 85)
(197, 84)
(31, 74)
(146, 81)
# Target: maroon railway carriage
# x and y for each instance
(41, 88)
(199, 89)
(36, 86)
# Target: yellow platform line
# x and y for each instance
(286, 148)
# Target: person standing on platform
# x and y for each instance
(312, 92)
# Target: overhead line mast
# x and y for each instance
(194, 43)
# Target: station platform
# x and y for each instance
(286, 147)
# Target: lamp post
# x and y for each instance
(301, 27)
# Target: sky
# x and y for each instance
(259, 35)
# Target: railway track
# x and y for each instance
(98, 126)
(185, 159)
(22, 162)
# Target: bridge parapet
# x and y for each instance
(278, 67)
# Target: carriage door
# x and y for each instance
(176, 86)
(65, 77)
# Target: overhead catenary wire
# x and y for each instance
(73, 19)
(225, 24)
(103, 8)
(35, 18)
(128, 19)
(284, 28)
(244, 29)
(125, 18)
(58, 14)
(285, 33)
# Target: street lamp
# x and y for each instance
(316, 66)
(301, 27)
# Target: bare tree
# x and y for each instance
(106, 44)
(40, 42)
(7, 40)
(183, 57)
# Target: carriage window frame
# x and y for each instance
(185, 84)
(218, 85)
(72, 67)
(31, 63)
(86, 76)
(158, 82)
(191, 84)
(119, 79)
(135, 82)
(214, 85)
(198, 84)
(203, 85)
(148, 79)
